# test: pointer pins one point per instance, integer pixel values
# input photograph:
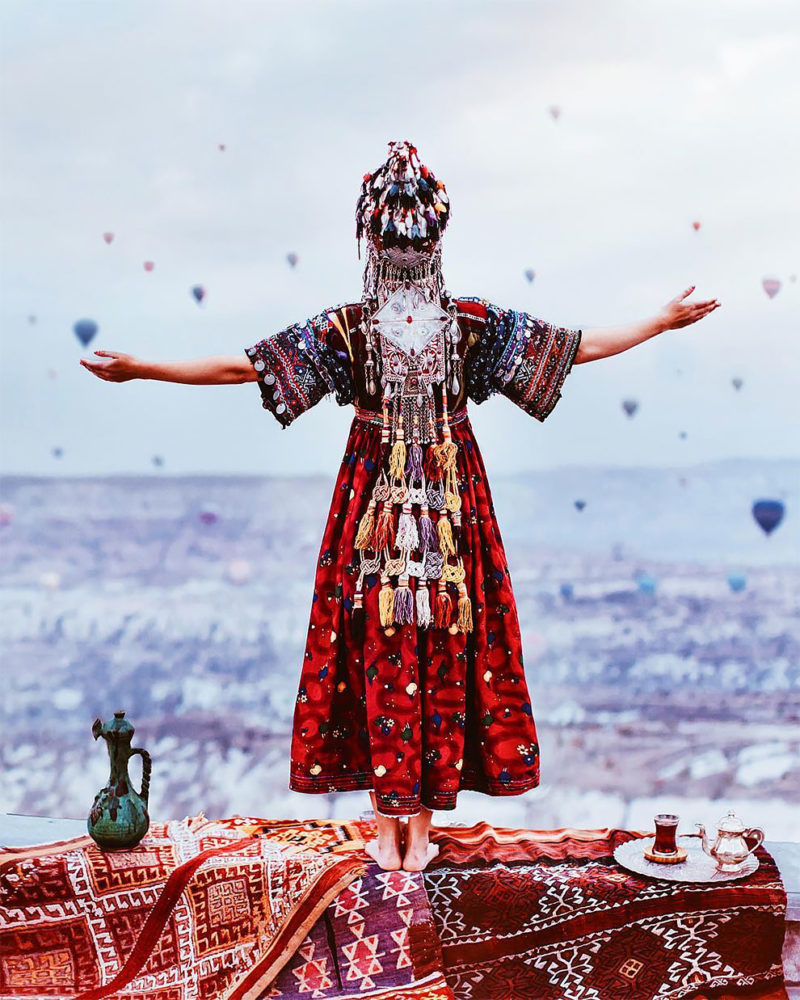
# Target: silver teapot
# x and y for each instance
(730, 848)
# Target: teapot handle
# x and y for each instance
(147, 766)
(754, 831)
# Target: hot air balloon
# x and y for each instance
(695, 226)
(682, 480)
(646, 583)
(736, 581)
(209, 514)
(737, 383)
(239, 571)
(771, 286)
(108, 237)
(158, 461)
(580, 504)
(768, 514)
(292, 258)
(6, 514)
(31, 319)
(221, 147)
(555, 112)
(85, 329)
(149, 265)
(57, 452)
(682, 435)
(51, 372)
(198, 292)
(630, 406)
(530, 274)
(566, 590)
(50, 580)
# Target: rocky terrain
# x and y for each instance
(185, 601)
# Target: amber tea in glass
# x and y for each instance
(666, 828)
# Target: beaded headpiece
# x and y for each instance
(410, 330)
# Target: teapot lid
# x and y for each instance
(730, 823)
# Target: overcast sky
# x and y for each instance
(671, 112)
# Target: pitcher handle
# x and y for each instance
(757, 832)
(147, 766)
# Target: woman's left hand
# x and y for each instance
(677, 313)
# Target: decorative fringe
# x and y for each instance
(424, 616)
(446, 454)
(407, 534)
(464, 609)
(431, 463)
(428, 539)
(366, 528)
(357, 617)
(414, 463)
(386, 602)
(384, 528)
(397, 460)
(403, 602)
(445, 535)
(444, 607)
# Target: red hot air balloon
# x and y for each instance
(771, 286)
(695, 226)
(555, 112)
(108, 237)
(149, 265)
(221, 147)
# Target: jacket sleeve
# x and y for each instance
(513, 353)
(303, 363)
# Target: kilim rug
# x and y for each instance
(254, 909)
(199, 909)
(551, 915)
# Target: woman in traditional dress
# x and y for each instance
(412, 684)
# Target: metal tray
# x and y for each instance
(698, 866)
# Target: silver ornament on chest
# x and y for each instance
(411, 331)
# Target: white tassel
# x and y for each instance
(407, 533)
(424, 616)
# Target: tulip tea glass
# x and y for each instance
(666, 829)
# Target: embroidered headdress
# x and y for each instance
(411, 333)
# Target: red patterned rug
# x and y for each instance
(198, 909)
(255, 909)
(551, 915)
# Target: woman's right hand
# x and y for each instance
(121, 367)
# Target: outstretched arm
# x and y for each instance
(225, 370)
(602, 342)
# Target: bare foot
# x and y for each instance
(387, 855)
(417, 857)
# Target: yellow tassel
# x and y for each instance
(446, 546)
(397, 461)
(446, 454)
(464, 609)
(366, 528)
(386, 602)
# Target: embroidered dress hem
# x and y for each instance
(441, 801)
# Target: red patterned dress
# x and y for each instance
(415, 713)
